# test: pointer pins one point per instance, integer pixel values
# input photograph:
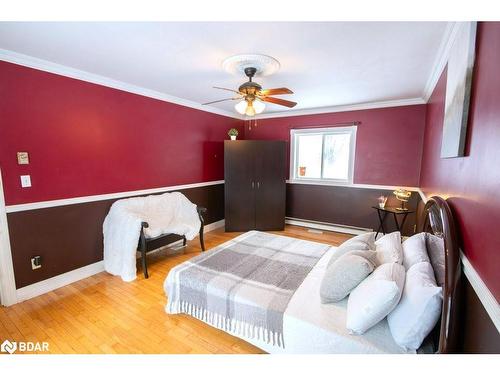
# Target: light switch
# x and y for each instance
(26, 181)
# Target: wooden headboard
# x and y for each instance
(438, 220)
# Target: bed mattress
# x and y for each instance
(310, 327)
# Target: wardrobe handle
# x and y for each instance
(253, 184)
(258, 185)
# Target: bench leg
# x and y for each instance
(144, 264)
(202, 242)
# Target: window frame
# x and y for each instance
(294, 143)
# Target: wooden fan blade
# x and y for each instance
(278, 91)
(223, 88)
(282, 102)
(221, 100)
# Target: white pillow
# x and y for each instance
(389, 249)
(365, 241)
(345, 274)
(375, 297)
(419, 309)
(414, 250)
(435, 250)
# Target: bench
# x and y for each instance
(149, 244)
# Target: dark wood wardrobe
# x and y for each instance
(255, 185)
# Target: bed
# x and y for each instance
(264, 289)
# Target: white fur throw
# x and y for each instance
(165, 213)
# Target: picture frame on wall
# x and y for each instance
(458, 90)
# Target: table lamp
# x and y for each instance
(403, 196)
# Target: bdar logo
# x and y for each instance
(9, 347)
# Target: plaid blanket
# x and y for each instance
(244, 285)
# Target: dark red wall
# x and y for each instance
(86, 139)
(388, 140)
(472, 183)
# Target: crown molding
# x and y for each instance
(50, 67)
(341, 108)
(441, 58)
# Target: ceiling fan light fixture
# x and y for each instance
(241, 107)
(250, 107)
(259, 106)
(250, 111)
(253, 95)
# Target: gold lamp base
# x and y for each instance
(403, 196)
(403, 206)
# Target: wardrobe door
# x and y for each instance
(270, 186)
(239, 185)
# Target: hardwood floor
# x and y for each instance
(102, 314)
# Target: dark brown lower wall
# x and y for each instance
(69, 237)
(480, 334)
(344, 205)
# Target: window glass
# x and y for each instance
(309, 156)
(336, 156)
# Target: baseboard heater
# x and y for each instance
(327, 226)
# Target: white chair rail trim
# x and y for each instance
(103, 197)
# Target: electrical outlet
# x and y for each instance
(36, 262)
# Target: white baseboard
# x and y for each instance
(214, 225)
(58, 281)
(64, 279)
(485, 296)
(327, 226)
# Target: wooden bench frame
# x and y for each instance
(149, 244)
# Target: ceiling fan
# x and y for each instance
(252, 96)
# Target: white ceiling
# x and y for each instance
(325, 63)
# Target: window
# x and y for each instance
(323, 155)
